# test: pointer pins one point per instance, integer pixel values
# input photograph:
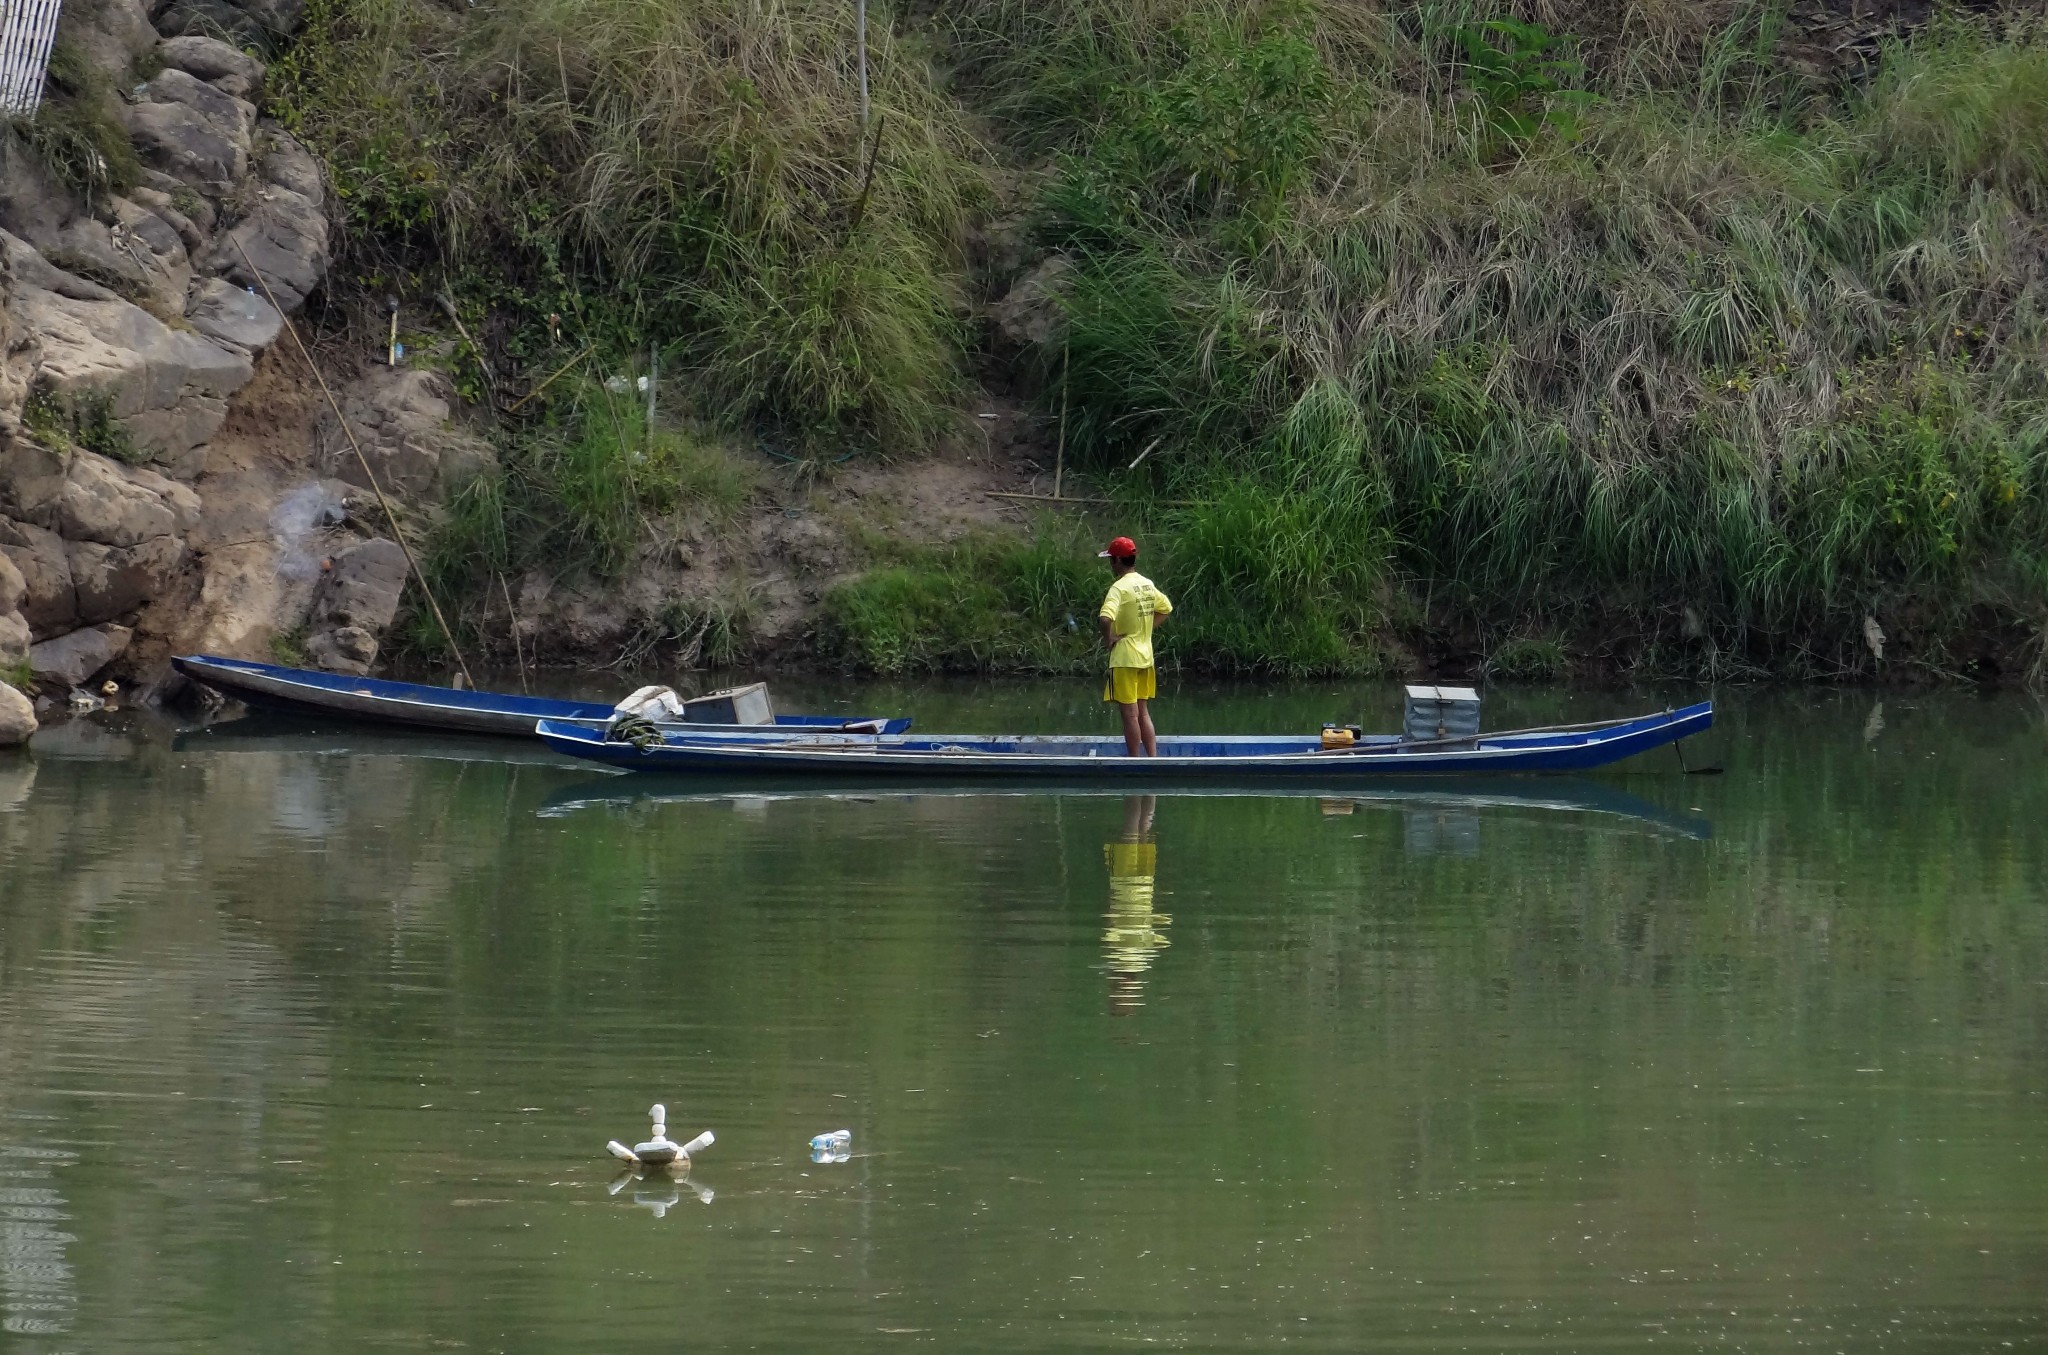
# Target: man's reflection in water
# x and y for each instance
(1136, 928)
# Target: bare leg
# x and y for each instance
(1145, 730)
(1134, 728)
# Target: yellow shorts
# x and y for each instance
(1127, 686)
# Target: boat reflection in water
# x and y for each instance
(1447, 811)
(1137, 929)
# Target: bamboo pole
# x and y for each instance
(512, 621)
(559, 371)
(1075, 498)
(389, 515)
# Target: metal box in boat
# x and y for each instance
(1441, 713)
(748, 705)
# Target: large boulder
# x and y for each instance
(13, 588)
(85, 497)
(263, 24)
(287, 164)
(282, 242)
(69, 660)
(15, 639)
(354, 604)
(137, 251)
(233, 315)
(34, 204)
(209, 59)
(112, 34)
(113, 581)
(165, 208)
(49, 602)
(17, 717)
(19, 349)
(402, 419)
(282, 238)
(1033, 312)
(191, 130)
(167, 387)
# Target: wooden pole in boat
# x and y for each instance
(512, 623)
(397, 530)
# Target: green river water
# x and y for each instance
(312, 1041)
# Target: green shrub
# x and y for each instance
(76, 131)
(983, 604)
(82, 419)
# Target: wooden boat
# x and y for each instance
(306, 692)
(1071, 757)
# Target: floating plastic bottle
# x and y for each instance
(838, 1140)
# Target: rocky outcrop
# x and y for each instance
(69, 660)
(356, 600)
(226, 69)
(85, 497)
(90, 540)
(283, 239)
(253, 23)
(14, 632)
(50, 604)
(192, 131)
(129, 326)
(233, 316)
(17, 717)
(111, 34)
(167, 387)
(402, 419)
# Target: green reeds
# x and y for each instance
(1731, 381)
(693, 172)
(1702, 377)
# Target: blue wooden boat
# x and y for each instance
(1072, 757)
(306, 692)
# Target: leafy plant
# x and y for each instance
(1523, 75)
(84, 419)
(1230, 128)
(288, 647)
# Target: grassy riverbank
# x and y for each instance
(1400, 334)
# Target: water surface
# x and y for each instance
(313, 1040)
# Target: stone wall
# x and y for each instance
(130, 328)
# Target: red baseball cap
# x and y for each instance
(1123, 548)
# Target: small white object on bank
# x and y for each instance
(659, 1150)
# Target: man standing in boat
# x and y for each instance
(1133, 609)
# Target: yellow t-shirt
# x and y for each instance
(1131, 603)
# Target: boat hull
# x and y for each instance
(1235, 758)
(305, 692)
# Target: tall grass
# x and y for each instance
(689, 172)
(1647, 343)
(1713, 367)
(580, 494)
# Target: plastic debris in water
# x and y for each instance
(833, 1147)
